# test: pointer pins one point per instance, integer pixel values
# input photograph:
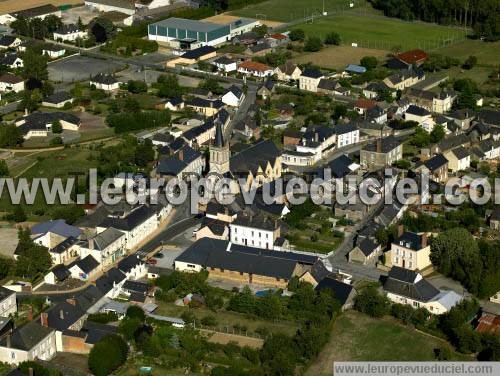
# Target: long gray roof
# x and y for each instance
(27, 336)
(186, 24)
(402, 282)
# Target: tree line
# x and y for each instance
(483, 16)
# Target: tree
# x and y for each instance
(372, 303)
(168, 86)
(297, 35)
(129, 326)
(56, 127)
(260, 30)
(131, 105)
(421, 138)
(33, 261)
(211, 84)
(456, 254)
(369, 62)
(30, 100)
(80, 24)
(35, 66)
(19, 215)
(136, 87)
(437, 133)
(144, 153)
(52, 23)
(135, 312)
(107, 355)
(4, 169)
(470, 62)
(313, 44)
(102, 29)
(333, 38)
(9, 136)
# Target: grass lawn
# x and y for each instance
(338, 57)
(228, 318)
(486, 53)
(381, 32)
(356, 336)
(289, 10)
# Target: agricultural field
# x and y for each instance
(7, 6)
(487, 54)
(383, 33)
(338, 57)
(356, 336)
(290, 10)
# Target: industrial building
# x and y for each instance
(188, 34)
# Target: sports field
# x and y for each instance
(487, 53)
(290, 10)
(381, 32)
(356, 336)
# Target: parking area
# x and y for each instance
(80, 68)
(86, 14)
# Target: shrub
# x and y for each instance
(107, 355)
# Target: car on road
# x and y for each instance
(158, 255)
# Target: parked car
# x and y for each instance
(159, 255)
(152, 261)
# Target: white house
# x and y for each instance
(57, 100)
(9, 82)
(53, 51)
(421, 116)
(137, 224)
(256, 231)
(106, 247)
(225, 64)
(9, 41)
(15, 349)
(8, 305)
(69, 33)
(288, 72)
(405, 286)
(458, 159)
(309, 80)
(13, 61)
(84, 268)
(255, 68)
(233, 96)
(347, 134)
(105, 82)
(410, 251)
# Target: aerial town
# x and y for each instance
(248, 187)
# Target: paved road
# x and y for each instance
(242, 111)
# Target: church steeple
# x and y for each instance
(219, 152)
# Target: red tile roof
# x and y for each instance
(278, 36)
(489, 323)
(254, 66)
(365, 103)
(413, 56)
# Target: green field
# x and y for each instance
(290, 10)
(486, 53)
(381, 32)
(356, 336)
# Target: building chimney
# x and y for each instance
(61, 314)
(30, 313)
(91, 243)
(401, 229)
(7, 340)
(423, 240)
(44, 319)
(180, 155)
(316, 137)
(379, 145)
(71, 301)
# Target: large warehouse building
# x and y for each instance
(179, 32)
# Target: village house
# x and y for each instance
(173, 104)
(233, 97)
(207, 107)
(266, 90)
(435, 102)
(373, 90)
(347, 134)
(331, 87)
(9, 82)
(184, 162)
(12, 60)
(84, 269)
(351, 212)
(255, 68)
(256, 231)
(105, 82)
(343, 292)
(240, 264)
(309, 80)
(8, 302)
(57, 100)
(225, 64)
(408, 59)
(212, 228)
(9, 41)
(495, 221)
(458, 159)
(420, 115)
(363, 105)
(410, 251)
(53, 51)
(436, 167)
(106, 247)
(28, 342)
(384, 152)
(39, 124)
(405, 286)
(376, 114)
(404, 79)
(288, 72)
(69, 33)
(193, 56)
(367, 250)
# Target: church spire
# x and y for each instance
(219, 137)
